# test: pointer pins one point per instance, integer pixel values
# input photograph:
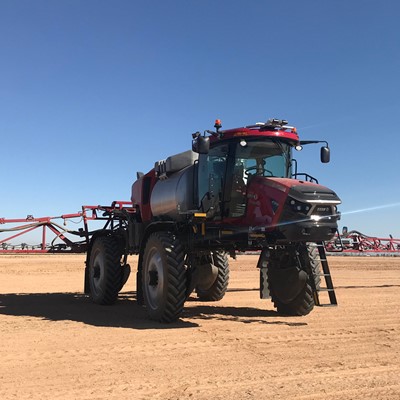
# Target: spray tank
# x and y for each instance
(172, 195)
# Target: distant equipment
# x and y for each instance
(355, 242)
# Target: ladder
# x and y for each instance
(327, 277)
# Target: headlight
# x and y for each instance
(299, 207)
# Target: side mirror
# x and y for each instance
(201, 145)
(325, 154)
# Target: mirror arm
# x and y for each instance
(304, 142)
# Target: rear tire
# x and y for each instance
(218, 289)
(105, 270)
(164, 277)
(303, 302)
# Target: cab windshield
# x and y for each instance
(227, 169)
(262, 158)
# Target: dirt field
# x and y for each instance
(56, 344)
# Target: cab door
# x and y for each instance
(211, 180)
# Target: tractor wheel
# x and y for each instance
(314, 263)
(164, 277)
(291, 287)
(218, 289)
(105, 270)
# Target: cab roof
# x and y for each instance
(273, 128)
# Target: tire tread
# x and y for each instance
(113, 274)
(217, 291)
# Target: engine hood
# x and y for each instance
(299, 190)
(294, 209)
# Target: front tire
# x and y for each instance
(285, 275)
(164, 277)
(105, 270)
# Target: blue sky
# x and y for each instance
(93, 91)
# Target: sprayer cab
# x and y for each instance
(247, 181)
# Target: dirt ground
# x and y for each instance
(56, 344)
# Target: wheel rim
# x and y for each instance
(97, 272)
(154, 279)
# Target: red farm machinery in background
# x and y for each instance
(357, 243)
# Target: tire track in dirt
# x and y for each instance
(237, 348)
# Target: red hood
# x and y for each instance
(287, 183)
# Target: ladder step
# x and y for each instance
(321, 257)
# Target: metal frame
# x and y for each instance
(110, 214)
